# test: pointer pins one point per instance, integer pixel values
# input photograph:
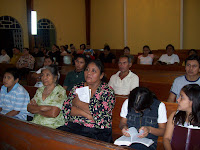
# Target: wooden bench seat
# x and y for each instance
(21, 135)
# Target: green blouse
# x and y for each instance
(56, 98)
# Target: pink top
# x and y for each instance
(146, 60)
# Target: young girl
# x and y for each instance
(147, 57)
(188, 112)
(144, 112)
(13, 97)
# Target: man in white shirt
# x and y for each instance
(124, 80)
(170, 58)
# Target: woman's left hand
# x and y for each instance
(146, 131)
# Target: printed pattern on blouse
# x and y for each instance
(100, 106)
(30, 60)
(56, 98)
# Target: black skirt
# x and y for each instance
(98, 134)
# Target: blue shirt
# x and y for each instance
(17, 99)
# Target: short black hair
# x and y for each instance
(193, 57)
(125, 56)
(107, 47)
(127, 48)
(49, 57)
(170, 45)
(14, 72)
(193, 50)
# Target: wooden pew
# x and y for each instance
(18, 135)
(149, 67)
(155, 76)
(3, 68)
(170, 107)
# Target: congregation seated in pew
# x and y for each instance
(143, 111)
(192, 69)
(13, 96)
(124, 80)
(92, 118)
(188, 113)
(170, 58)
(76, 76)
(47, 103)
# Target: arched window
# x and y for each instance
(10, 33)
(46, 33)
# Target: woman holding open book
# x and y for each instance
(90, 113)
(188, 112)
(144, 112)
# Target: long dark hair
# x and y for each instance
(193, 93)
(140, 99)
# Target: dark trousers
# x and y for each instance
(98, 134)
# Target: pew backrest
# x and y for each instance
(18, 135)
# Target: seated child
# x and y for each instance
(13, 97)
(144, 112)
(188, 112)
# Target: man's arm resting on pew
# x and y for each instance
(171, 97)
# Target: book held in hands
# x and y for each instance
(124, 140)
(84, 94)
(186, 138)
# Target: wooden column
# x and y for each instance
(87, 14)
(29, 6)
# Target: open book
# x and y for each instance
(124, 140)
(186, 138)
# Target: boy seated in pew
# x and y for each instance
(192, 68)
(13, 97)
(76, 76)
(124, 80)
